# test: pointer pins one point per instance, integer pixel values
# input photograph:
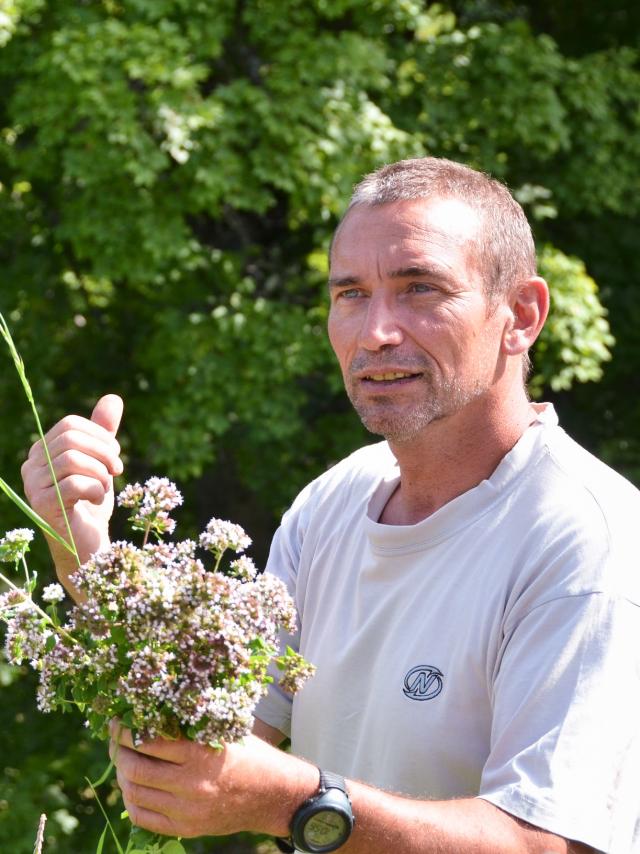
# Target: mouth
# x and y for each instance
(389, 377)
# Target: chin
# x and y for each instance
(399, 428)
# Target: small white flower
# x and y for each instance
(243, 568)
(220, 536)
(53, 593)
(15, 544)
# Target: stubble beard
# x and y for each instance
(400, 422)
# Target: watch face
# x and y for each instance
(325, 828)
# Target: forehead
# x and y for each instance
(438, 230)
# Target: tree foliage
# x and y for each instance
(170, 175)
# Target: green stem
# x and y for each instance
(146, 534)
(6, 334)
(26, 570)
(219, 560)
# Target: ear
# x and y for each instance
(529, 308)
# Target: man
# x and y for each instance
(467, 589)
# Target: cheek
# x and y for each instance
(340, 336)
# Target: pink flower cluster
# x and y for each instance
(160, 641)
(151, 505)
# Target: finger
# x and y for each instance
(107, 451)
(172, 751)
(153, 821)
(108, 412)
(142, 770)
(72, 489)
(74, 422)
(157, 800)
(76, 488)
(69, 463)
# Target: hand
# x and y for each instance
(85, 456)
(181, 788)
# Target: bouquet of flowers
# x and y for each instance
(170, 644)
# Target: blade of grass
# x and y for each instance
(38, 520)
(6, 334)
(101, 840)
(106, 817)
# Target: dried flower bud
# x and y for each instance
(11, 600)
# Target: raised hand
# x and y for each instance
(85, 455)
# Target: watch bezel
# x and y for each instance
(328, 800)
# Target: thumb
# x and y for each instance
(107, 412)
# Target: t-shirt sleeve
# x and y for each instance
(565, 740)
(275, 708)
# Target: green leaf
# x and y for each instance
(103, 836)
(118, 635)
(141, 837)
(173, 847)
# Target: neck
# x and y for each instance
(453, 455)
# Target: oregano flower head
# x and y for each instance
(15, 544)
(151, 505)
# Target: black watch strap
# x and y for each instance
(328, 780)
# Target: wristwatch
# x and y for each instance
(324, 822)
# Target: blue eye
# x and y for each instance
(349, 293)
(420, 287)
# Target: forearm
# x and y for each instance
(386, 822)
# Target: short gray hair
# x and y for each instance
(504, 252)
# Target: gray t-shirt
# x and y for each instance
(491, 650)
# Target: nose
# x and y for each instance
(380, 327)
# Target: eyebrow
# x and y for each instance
(430, 271)
(343, 281)
(414, 270)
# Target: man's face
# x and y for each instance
(409, 321)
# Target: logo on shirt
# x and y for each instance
(423, 682)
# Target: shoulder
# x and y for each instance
(325, 504)
(590, 490)
(577, 518)
(354, 477)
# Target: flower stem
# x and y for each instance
(26, 570)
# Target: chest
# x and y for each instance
(406, 647)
